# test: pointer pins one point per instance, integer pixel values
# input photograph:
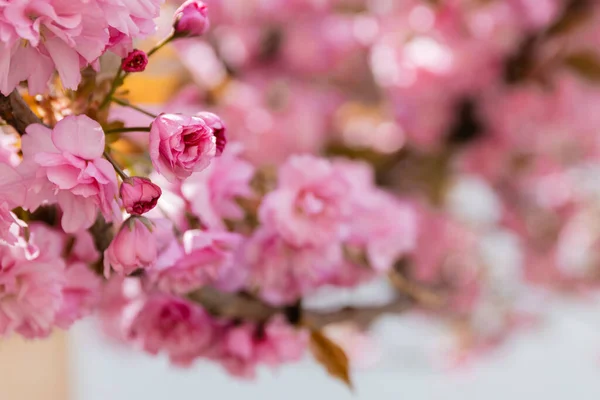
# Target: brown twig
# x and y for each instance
(16, 112)
(363, 317)
(422, 296)
(248, 308)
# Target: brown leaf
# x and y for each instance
(586, 64)
(331, 356)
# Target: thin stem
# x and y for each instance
(128, 129)
(116, 166)
(120, 76)
(125, 103)
(161, 44)
(117, 81)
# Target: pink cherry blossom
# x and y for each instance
(209, 258)
(139, 195)
(216, 124)
(310, 205)
(133, 248)
(174, 326)
(66, 166)
(31, 291)
(181, 145)
(80, 294)
(212, 193)
(381, 224)
(64, 36)
(282, 273)
(243, 348)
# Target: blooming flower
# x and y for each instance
(65, 36)
(242, 348)
(282, 273)
(65, 165)
(133, 248)
(30, 291)
(310, 205)
(139, 195)
(181, 145)
(209, 258)
(177, 327)
(216, 124)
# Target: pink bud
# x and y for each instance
(216, 124)
(139, 195)
(191, 18)
(135, 61)
(133, 248)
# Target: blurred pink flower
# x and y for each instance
(31, 291)
(80, 295)
(208, 259)
(213, 193)
(174, 326)
(311, 203)
(242, 348)
(381, 224)
(282, 273)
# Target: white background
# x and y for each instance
(560, 360)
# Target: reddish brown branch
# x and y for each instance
(241, 306)
(15, 111)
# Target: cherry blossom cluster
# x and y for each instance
(449, 147)
(86, 227)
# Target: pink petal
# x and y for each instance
(79, 135)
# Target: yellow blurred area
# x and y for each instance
(34, 370)
(158, 82)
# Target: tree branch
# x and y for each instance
(16, 112)
(246, 307)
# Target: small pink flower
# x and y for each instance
(133, 248)
(216, 124)
(136, 61)
(139, 195)
(181, 145)
(177, 327)
(208, 259)
(311, 203)
(191, 18)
